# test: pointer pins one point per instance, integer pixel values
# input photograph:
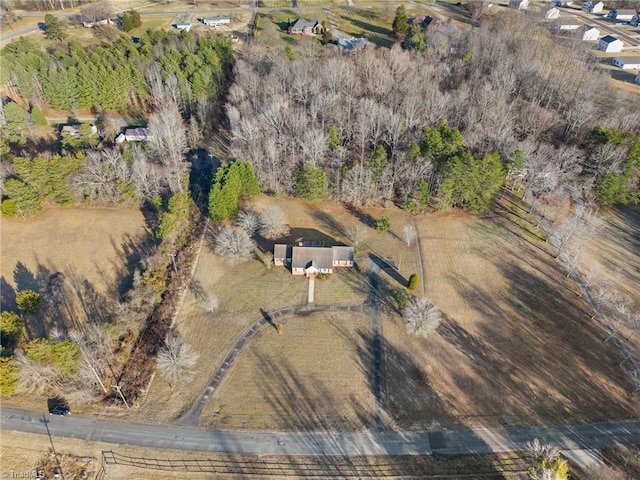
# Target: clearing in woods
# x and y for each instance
(517, 346)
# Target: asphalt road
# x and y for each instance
(590, 436)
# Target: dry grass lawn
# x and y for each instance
(518, 345)
(312, 376)
(91, 246)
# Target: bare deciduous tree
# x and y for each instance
(410, 234)
(421, 316)
(273, 223)
(34, 378)
(211, 304)
(234, 244)
(249, 221)
(176, 360)
(357, 233)
(169, 143)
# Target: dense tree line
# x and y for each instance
(118, 75)
(507, 89)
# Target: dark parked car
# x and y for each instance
(60, 411)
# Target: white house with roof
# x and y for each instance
(622, 14)
(138, 134)
(609, 43)
(627, 63)
(588, 33)
(552, 13)
(519, 4)
(593, 6)
(566, 23)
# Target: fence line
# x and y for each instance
(304, 467)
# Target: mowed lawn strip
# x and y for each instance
(312, 376)
(517, 345)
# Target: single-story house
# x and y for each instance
(216, 21)
(182, 26)
(627, 63)
(638, 78)
(74, 130)
(622, 14)
(353, 43)
(609, 43)
(552, 13)
(593, 6)
(139, 134)
(305, 27)
(635, 21)
(588, 33)
(105, 21)
(519, 4)
(566, 23)
(304, 260)
(562, 3)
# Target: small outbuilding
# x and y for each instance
(186, 26)
(638, 78)
(609, 43)
(627, 63)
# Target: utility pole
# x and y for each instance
(119, 389)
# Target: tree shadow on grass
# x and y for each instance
(545, 366)
(362, 216)
(327, 221)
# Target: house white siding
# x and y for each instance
(610, 44)
(627, 63)
(519, 4)
(552, 13)
(591, 34)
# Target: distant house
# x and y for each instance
(552, 13)
(609, 43)
(353, 43)
(566, 23)
(139, 134)
(182, 26)
(216, 21)
(588, 33)
(635, 21)
(105, 21)
(74, 130)
(638, 78)
(593, 6)
(305, 27)
(563, 4)
(519, 4)
(627, 63)
(305, 259)
(622, 14)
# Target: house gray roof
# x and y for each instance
(282, 251)
(137, 132)
(353, 43)
(625, 11)
(626, 60)
(567, 21)
(303, 256)
(342, 254)
(608, 39)
(301, 24)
